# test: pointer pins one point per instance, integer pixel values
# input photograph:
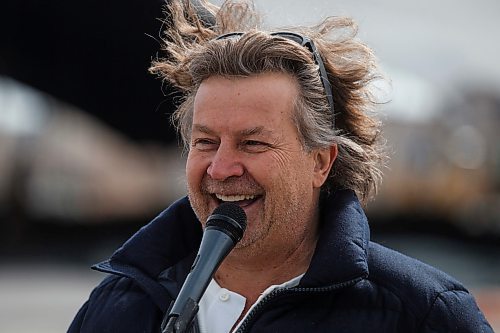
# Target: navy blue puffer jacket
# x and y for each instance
(352, 285)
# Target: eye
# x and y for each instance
(255, 145)
(204, 144)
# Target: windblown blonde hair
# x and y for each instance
(193, 54)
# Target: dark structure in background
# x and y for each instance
(95, 55)
(91, 54)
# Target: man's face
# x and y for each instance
(246, 149)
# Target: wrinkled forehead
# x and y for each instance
(265, 100)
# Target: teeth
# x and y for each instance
(232, 198)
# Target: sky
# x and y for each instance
(428, 48)
(439, 40)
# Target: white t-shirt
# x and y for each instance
(220, 308)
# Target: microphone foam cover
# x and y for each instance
(230, 218)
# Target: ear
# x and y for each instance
(323, 162)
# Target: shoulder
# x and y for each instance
(435, 299)
(407, 275)
(117, 304)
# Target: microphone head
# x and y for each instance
(230, 219)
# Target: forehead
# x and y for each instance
(262, 100)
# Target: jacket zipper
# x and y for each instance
(253, 314)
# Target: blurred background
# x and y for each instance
(87, 154)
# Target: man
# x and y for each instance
(278, 123)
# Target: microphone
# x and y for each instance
(223, 230)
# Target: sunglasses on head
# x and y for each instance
(302, 41)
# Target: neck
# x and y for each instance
(250, 275)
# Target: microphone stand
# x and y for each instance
(215, 245)
(224, 228)
(180, 322)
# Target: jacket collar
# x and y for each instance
(342, 250)
(171, 236)
(167, 240)
(175, 235)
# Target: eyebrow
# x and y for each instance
(202, 128)
(257, 130)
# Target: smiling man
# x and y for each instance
(256, 159)
(279, 123)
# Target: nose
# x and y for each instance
(225, 164)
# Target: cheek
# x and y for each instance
(195, 169)
(273, 163)
(293, 165)
(282, 160)
(263, 170)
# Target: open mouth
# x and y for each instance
(242, 200)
